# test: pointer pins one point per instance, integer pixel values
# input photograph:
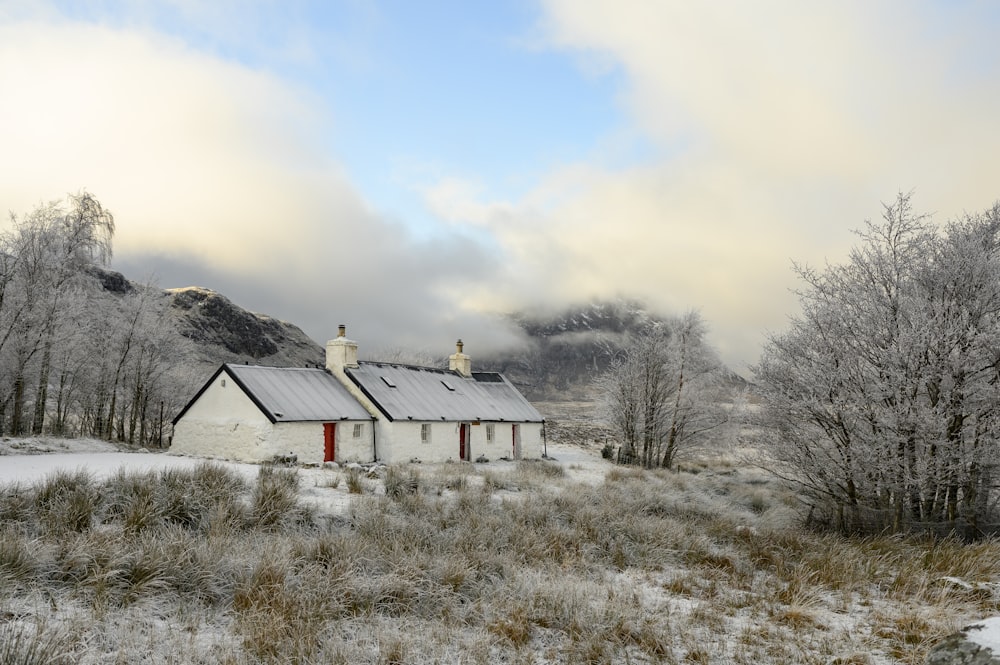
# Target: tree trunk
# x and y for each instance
(42, 394)
(18, 414)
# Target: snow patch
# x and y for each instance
(985, 633)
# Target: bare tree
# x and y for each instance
(657, 393)
(45, 257)
(881, 400)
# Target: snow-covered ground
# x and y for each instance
(30, 460)
(26, 461)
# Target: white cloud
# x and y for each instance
(217, 172)
(779, 127)
(775, 128)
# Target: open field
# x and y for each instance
(171, 560)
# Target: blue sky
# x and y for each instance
(411, 169)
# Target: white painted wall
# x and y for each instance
(401, 441)
(225, 423)
(351, 449)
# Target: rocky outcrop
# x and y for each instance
(212, 321)
(970, 646)
(111, 281)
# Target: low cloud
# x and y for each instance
(217, 177)
(769, 131)
(778, 129)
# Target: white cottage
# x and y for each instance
(432, 414)
(252, 414)
(406, 412)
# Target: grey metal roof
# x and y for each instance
(404, 392)
(288, 394)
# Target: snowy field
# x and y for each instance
(736, 577)
(26, 461)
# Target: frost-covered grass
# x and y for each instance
(530, 562)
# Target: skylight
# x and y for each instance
(388, 382)
(448, 385)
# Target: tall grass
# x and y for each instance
(274, 500)
(645, 567)
(34, 645)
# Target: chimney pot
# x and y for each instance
(459, 362)
(341, 352)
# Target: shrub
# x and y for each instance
(400, 482)
(132, 499)
(275, 497)
(354, 483)
(540, 470)
(67, 501)
(16, 504)
(17, 563)
(279, 622)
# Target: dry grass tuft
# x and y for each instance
(355, 483)
(648, 566)
(401, 481)
(34, 645)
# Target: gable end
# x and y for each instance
(225, 368)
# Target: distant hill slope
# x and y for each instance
(566, 350)
(569, 349)
(210, 329)
(225, 332)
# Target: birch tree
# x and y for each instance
(657, 393)
(45, 257)
(880, 400)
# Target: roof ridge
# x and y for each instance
(425, 368)
(310, 369)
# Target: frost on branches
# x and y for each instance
(660, 394)
(882, 399)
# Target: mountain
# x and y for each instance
(564, 353)
(208, 329)
(568, 349)
(222, 331)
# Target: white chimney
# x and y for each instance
(459, 362)
(341, 352)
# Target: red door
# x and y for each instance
(329, 442)
(463, 443)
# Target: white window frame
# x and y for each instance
(359, 430)
(491, 434)
(425, 433)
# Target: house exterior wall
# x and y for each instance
(306, 441)
(401, 441)
(532, 440)
(351, 449)
(502, 445)
(223, 423)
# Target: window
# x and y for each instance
(389, 382)
(490, 433)
(425, 433)
(448, 386)
(359, 430)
